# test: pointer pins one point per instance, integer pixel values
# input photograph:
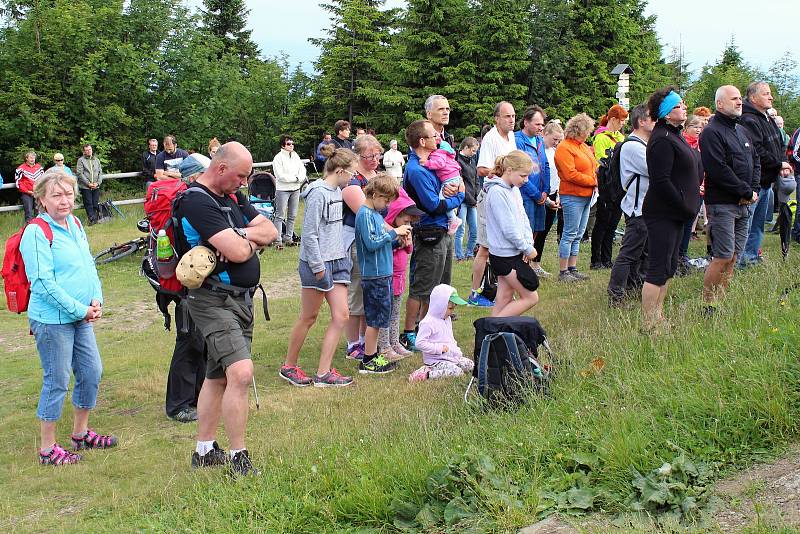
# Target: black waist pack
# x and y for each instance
(429, 236)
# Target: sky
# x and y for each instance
(285, 27)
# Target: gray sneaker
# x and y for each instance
(578, 275)
(567, 277)
(541, 273)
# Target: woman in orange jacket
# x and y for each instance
(577, 169)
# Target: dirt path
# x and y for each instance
(765, 494)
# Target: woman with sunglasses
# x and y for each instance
(672, 200)
(290, 175)
(58, 164)
(369, 151)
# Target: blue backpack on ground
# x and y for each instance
(507, 370)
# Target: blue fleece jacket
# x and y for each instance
(539, 179)
(373, 244)
(423, 187)
(63, 277)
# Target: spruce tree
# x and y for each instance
(226, 19)
(353, 64)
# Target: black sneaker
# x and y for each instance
(241, 465)
(378, 365)
(187, 415)
(212, 458)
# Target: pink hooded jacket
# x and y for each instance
(400, 254)
(444, 164)
(434, 331)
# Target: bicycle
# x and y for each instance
(123, 250)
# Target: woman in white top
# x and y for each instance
(290, 175)
(393, 160)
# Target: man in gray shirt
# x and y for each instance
(625, 275)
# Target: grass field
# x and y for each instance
(724, 391)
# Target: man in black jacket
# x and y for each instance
(732, 168)
(149, 162)
(768, 142)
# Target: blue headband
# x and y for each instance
(668, 104)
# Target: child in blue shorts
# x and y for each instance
(374, 250)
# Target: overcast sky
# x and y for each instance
(703, 27)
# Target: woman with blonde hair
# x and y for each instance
(213, 146)
(509, 235)
(577, 171)
(65, 300)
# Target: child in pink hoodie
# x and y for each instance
(443, 162)
(401, 211)
(440, 352)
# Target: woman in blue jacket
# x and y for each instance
(65, 300)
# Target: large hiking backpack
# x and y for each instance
(158, 209)
(15, 280)
(507, 368)
(609, 182)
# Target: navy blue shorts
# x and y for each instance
(377, 301)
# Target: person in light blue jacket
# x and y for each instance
(509, 236)
(65, 300)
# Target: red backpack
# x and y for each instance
(158, 208)
(15, 280)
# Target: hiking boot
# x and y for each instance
(379, 365)
(241, 465)
(332, 379)
(596, 266)
(408, 340)
(93, 440)
(419, 375)
(566, 276)
(578, 275)
(356, 353)
(59, 456)
(187, 415)
(216, 456)
(295, 376)
(476, 299)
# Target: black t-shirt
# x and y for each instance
(200, 218)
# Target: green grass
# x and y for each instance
(724, 390)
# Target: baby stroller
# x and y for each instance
(261, 189)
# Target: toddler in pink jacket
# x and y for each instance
(443, 162)
(440, 352)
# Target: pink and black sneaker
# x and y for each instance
(93, 440)
(59, 456)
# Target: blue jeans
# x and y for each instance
(756, 233)
(469, 217)
(65, 347)
(576, 215)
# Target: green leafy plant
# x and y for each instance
(573, 493)
(679, 489)
(458, 496)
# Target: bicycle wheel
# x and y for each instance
(118, 251)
